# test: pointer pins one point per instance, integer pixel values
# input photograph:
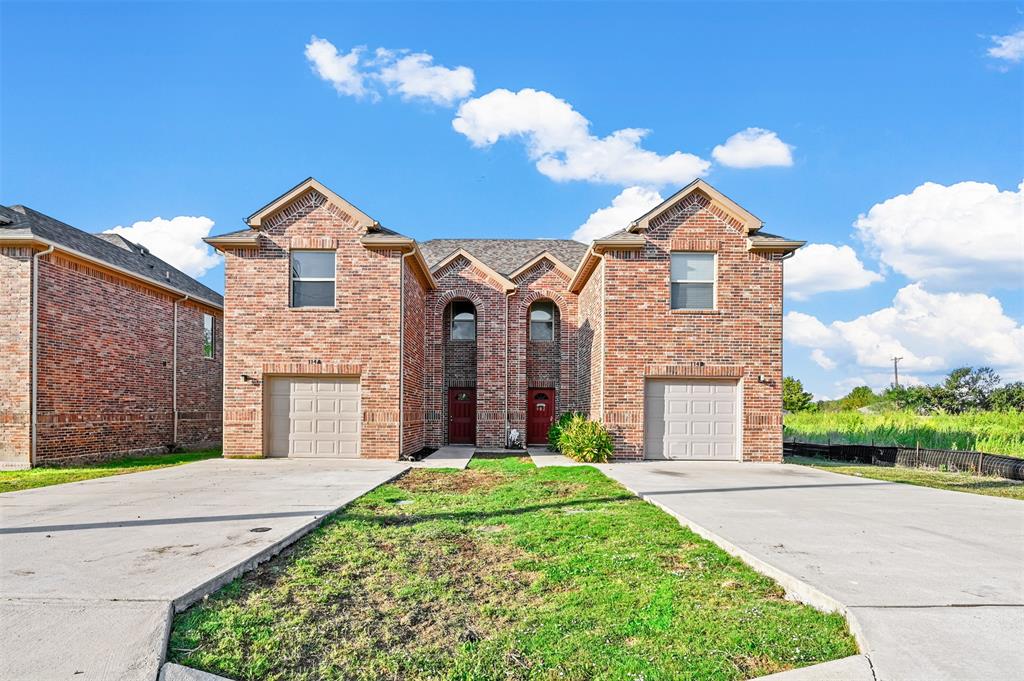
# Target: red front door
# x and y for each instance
(541, 406)
(462, 416)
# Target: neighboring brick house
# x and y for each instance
(346, 339)
(107, 350)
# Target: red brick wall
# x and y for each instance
(264, 336)
(462, 280)
(742, 338)
(105, 367)
(16, 354)
(459, 355)
(413, 427)
(541, 364)
(590, 355)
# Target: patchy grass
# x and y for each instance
(503, 571)
(989, 431)
(925, 477)
(12, 481)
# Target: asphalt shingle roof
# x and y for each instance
(109, 248)
(505, 256)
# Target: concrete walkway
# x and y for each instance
(931, 581)
(451, 456)
(91, 572)
(543, 457)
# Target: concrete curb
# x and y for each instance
(796, 588)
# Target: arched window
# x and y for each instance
(463, 320)
(542, 321)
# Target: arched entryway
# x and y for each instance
(543, 368)
(459, 339)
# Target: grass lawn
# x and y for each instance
(503, 571)
(12, 481)
(958, 482)
(990, 432)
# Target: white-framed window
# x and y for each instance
(463, 321)
(542, 321)
(312, 278)
(209, 335)
(693, 281)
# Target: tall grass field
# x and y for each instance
(990, 432)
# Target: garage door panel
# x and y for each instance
(690, 419)
(314, 417)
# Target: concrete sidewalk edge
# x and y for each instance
(796, 588)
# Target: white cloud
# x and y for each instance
(817, 268)
(631, 203)
(558, 139)
(415, 76)
(178, 241)
(1008, 47)
(932, 332)
(819, 357)
(965, 235)
(340, 70)
(753, 148)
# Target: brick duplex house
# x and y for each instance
(105, 350)
(344, 338)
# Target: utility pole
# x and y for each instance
(896, 370)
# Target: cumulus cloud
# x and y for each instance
(631, 203)
(411, 76)
(819, 357)
(753, 148)
(932, 332)
(415, 76)
(966, 234)
(1008, 47)
(817, 268)
(559, 141)
(340, 70)
(178, 241)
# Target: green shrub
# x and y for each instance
(586, 441)
(555, 431)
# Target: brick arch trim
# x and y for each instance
(529, 297)
(455, 294)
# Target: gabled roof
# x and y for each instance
(501, 280)
(506, 256)
(751, 223)
(256, 219)
(546, 255)
(19, 224)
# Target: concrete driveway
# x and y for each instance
(91, 572)
(932, 581)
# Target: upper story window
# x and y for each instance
(693, 281)
(463, 320)
(209, 335)
(542, 321)
(312, 278)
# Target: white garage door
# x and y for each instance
(690, 419)
(314, 417)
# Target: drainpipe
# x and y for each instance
(35, 351)
(174, 371)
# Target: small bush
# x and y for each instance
(555, 431)
(586, 441)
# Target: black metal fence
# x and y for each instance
(978, 463)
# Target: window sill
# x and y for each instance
(697, 312)
(312, 308)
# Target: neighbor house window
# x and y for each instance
(542, 321)
(312, 278)
(463, 320)
(209, 335)
(693, 281)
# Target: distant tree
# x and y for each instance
(1010, 397)
(965, 389)
(861, 396)
(794, 398)
(916, 398)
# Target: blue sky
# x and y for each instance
(114, 114)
